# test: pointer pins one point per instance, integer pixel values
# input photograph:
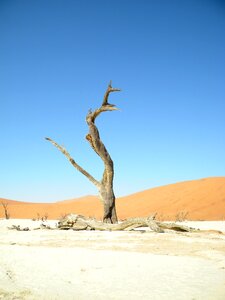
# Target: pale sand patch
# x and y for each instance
(52, 264)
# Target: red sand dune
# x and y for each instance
(202, 199)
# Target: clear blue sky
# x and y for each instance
(56, 59)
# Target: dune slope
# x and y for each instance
(202, 199)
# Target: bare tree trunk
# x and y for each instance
(105, 186)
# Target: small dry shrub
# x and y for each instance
(6, 210)
(181, 216)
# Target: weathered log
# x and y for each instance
(79, 222)
(174, 226)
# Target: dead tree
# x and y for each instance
(105, 186)
(6, 211)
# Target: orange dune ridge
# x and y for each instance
(202, 199)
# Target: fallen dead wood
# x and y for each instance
(209, 231)
(18, 228)
(79, 222)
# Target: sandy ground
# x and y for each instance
(53, 264)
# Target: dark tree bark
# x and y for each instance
(105, 186)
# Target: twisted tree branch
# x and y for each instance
(106, 190)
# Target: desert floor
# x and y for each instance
(54, 264)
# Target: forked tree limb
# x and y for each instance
(72, 161)
(109, 90)
(91, 116)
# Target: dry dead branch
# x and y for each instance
(79, 222)
(18, 228)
